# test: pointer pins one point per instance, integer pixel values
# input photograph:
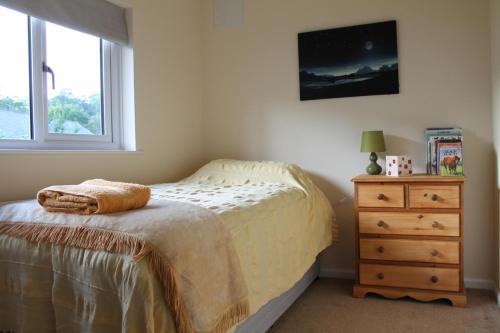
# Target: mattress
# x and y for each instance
(278, 219)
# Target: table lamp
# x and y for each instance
(373, 142)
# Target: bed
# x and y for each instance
(279, 222)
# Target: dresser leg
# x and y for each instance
(458, 300)
(358, 292)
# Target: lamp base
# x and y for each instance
(373, 168)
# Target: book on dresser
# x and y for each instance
(409, 237)
(439, 136)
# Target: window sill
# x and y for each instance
(69, 151)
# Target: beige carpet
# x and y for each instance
(327, 306)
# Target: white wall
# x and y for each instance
(252, 107)
(168, 90)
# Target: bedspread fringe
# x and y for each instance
(137, 248)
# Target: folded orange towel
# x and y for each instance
(95, 196)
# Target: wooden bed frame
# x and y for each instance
(267, 315)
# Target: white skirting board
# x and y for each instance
(267, 315)
(350, 274)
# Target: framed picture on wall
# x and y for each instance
(351, 61)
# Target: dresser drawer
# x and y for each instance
(410, 277)
(387, 223)
(371, 195)
(445, 252)
(434, 196)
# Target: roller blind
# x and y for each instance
(96, 17)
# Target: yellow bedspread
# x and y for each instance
(278, 219)
(188, 247)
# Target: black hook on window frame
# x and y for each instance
(47, 69)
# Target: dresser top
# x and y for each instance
(409, 179)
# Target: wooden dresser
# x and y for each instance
(409, 237)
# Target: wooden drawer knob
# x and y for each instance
(380, 249)
(434, 279)
(420, 216)
(434, 197)
(380, 223)
(434, 253)
(381, 196)
(435, 224)
(380, 276)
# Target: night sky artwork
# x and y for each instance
(352, 61)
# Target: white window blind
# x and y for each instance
(96, 17)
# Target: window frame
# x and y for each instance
(111, 92)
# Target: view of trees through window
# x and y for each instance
(86, 111)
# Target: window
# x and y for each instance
(74, 105)
(15, 109)
(59, 88)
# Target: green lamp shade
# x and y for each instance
(372, 141)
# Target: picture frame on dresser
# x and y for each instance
(409, 237)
